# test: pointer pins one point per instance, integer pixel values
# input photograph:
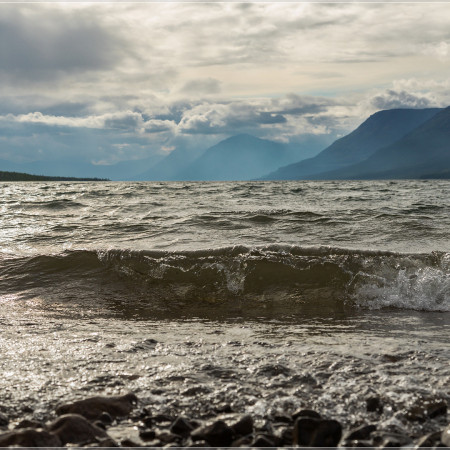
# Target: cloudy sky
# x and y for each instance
(107, 82)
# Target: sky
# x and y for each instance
(110, 82)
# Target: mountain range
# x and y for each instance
(396, 143)
(378, 131)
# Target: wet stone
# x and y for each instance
(30, 437)
(317, 432)
(3, 420)
(27, 423)
(445, 437)
(263, 441)
(147, 435)
(93, 408)
(427, 409)
(75, 429)
(128, 443)
(218, 434)
(243, 427)
(306, 413)
(182, 427)
(430, 440)
(106, 418)
(360, 433)
(374, 404)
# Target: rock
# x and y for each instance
(263, 441)
(374, 404)
(427, 409)
(29, 437)
(243, 426)
(182, 427)
(218, 434)
(27, 423)
(75, 429)
(128, 443)
(389, 439)
(224, 408)
(147, 435)
(167, 438)
(244, 441)
(100, 424)
(306, 413)
(360, 433)
(430, 440)
(108, 442)
(3, 420)
(199, 444)
(445, 437)
(106, 418)
(358, 444)
(287, 436)
(317, 432)
(93, 408)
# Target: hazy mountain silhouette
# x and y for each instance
(73, 168)
(168, 168)
(245, 157)
(422, 153)
(379, 130)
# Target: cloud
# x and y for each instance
(39, 43)
(391, 99)
(202, 86)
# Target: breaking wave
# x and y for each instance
(285, 274)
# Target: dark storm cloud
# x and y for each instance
(36, 46)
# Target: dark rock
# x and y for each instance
(93, 408)
(161, 418)
(147, 435)
(243, 426)
(3, 420)
(182, 427)
(287, 436)
(357, 443)
(427, 409)
(75, 429)
(430, 440)
(225, 408)
(128, 443)
(196, 390)
(391, 358)
(374, 404)
(199, 444)
(317, 432)
(29, 437)
(306, 413)
(100, 424)
(360, 433)
(108, 442)
(263, 441)
(106, 418)
(445, 437)
(167, 438)
(27, 423)
(283, 418)
(218, 434)
(244, 441)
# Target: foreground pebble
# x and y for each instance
(89, 422)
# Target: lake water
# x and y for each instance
(264, 295)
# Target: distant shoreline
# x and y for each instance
(19, 176)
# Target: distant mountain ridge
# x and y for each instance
(239, 157)
(18, 176)
(380, 129)
(422, 153)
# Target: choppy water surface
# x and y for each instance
(263, 294)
